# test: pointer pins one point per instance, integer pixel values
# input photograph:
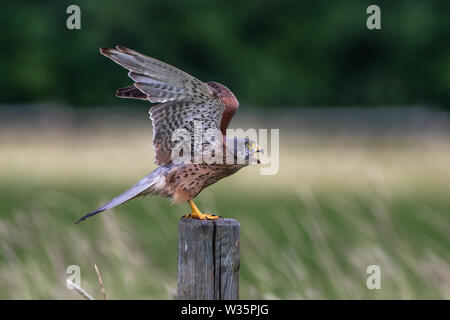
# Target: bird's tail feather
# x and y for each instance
(147, 185)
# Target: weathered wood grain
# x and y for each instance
(208, 259)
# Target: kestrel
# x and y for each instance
(185, 102)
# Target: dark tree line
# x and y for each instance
(270, 53)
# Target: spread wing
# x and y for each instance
(184, 99)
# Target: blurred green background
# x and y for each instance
(364, 173)
(286, 53)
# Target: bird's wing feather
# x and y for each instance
(160, 81)
(171, 116)
(184, 99)
(131, 92)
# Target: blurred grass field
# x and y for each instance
(337, 205)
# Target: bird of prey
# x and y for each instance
(184, 102)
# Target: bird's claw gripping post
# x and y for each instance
(196, 214)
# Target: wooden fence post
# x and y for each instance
(208, 259)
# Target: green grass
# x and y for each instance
(337, 205)
(295, 244)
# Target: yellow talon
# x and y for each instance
(196, 214)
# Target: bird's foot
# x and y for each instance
(202, 216)
(197, 214)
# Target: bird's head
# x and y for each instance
(251, 151)
(243, 150)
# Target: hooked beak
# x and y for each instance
(259, 149)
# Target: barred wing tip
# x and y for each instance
(185, 98)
